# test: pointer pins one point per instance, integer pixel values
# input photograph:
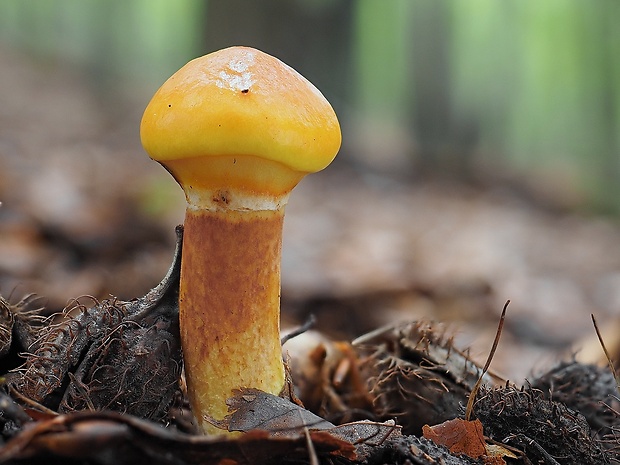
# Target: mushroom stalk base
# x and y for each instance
(230, 307)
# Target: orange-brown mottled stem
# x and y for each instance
(230, 306)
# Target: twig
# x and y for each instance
(310, 322)
(609, 360)
(313, 458)
(30, 403)
(474, 391)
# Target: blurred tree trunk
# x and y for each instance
(405, 78)
(445, 138)
(314, 37)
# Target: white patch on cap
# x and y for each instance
(237, 77)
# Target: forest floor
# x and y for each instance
(85, 212)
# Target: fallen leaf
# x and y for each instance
(110, 438)
(464, 437)
(254, 409)
(459, 436)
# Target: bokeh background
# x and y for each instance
(480, 159)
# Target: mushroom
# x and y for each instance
(237, 129)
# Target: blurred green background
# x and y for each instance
(514, 90)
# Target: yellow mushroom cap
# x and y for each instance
(240, 117)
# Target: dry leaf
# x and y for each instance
(110, 438)
(459, 436)
(254, 409)
(465, 437)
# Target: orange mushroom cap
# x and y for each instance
(240, 118)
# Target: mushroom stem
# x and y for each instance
(230, 306)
